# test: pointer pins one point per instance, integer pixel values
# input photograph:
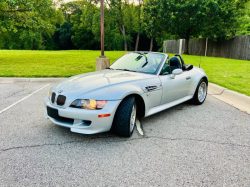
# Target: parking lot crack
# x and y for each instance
(69, 142)
(112, 139)
(198, 140)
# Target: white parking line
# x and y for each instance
(138, 127)
(7, 108)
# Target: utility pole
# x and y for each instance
(102, 62)
(180, 47)
(206, 47)
(102, 30)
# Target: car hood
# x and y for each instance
(90, 81)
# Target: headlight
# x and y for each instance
(49, 94)
(89, 104)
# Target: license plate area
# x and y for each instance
(53, 113)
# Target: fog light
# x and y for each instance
(86, 122)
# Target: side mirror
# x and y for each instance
(176, 72)
(189, 67)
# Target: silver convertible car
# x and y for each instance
(136, 85)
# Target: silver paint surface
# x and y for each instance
(114, 86)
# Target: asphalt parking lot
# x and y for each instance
(187, 145)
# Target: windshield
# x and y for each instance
(139, 62)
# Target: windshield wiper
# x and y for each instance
(109, 68)
(144, 64)
(126, 70)
(142, 55)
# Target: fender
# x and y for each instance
(196, 79)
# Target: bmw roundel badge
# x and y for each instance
(60, 91)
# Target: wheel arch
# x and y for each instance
(199, 80)
(205, 78)
(140, 104)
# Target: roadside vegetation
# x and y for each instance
(129, 25)
(230, 73)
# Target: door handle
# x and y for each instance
(188, 78)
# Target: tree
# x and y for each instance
(72, 8)
(65, 36)
(82, 36)
(137, 21)
(196, 18)
(244, 22)
(28, 20)
(187, 19)
(154, 21)
(120, 11)
(42, 24)
(224, 18)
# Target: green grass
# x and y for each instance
(49, 63)
(232, 74)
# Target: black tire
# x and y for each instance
(121, 124)
(195, 99)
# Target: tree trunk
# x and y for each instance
(186, 51)
(125, 40)
(138, 34)
(151, 43)
(33, 45)
(137, 41)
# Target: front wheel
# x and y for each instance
(125, 117)
(200, 93)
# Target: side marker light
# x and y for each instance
(104, 115)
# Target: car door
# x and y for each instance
(174, 89)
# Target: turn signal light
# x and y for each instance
(104, 115)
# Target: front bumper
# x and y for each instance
(80, 116)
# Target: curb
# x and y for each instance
(235, 99)
(13, 80)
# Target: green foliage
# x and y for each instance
(28, 20)
(71, 8)
(214, 19)
(244, 22)
(222, 21)
(83, 36)
(54, 25)
(152, 20)
(137, 17)
(65, 35)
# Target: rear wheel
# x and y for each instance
(125, 117)
(200, 93)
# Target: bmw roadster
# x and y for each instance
(136, 85)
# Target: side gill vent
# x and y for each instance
(152, 88)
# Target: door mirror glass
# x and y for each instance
(176, 72)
